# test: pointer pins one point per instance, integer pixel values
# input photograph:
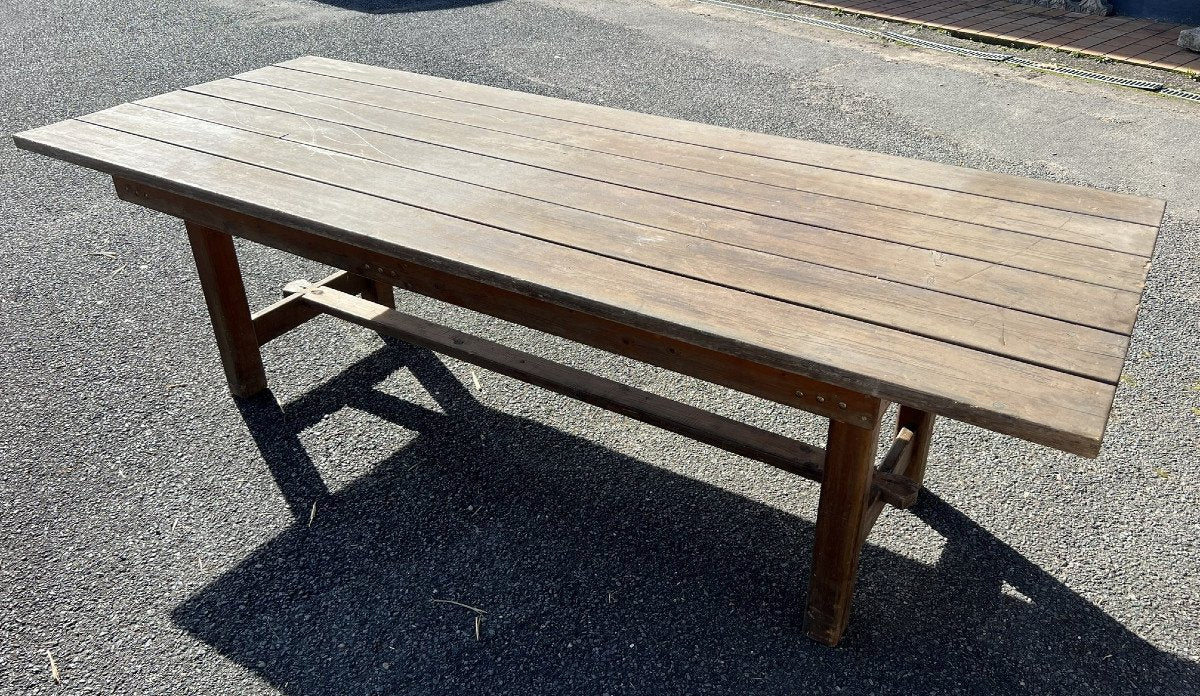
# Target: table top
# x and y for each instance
(997, 300)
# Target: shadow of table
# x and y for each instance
(600, 573)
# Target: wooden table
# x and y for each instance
(824, 278)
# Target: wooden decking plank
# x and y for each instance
(739, 373)
(1037, 340)
(739, 194)
(1025, 218)
(1052, 257)
(989, 282)
(1118, 270)
(1135, 209)
(1037, 404)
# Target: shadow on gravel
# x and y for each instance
(600, 573)
(390, 6)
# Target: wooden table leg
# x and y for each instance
(380, 292)
(221, 281)
(849, 465)
(921, 424)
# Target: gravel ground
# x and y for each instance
(155, 535)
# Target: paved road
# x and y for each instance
(145, 542)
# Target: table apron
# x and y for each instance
(735, 372)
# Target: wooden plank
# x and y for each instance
(316, 121)
(709, 165)
(1034, 339)
(1035, 403)
(280, 317)
(732, 436)
(921, 424)
(894, 467)
(837, 540)
(989, 282)
(1134, 209)
(785, 453)
(730, 371)
(762, 199)
(225, 295)
(899, 455)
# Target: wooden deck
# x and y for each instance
(995, 300)
(1125, 39)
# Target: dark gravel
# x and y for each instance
(145, 542)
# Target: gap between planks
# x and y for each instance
(937, 320)
(1036, 404)
(762, 198)
(1004, 187)
(1081, 294)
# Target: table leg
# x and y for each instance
(845, 490)
(221, 281)
(380, 292)
(921, 424)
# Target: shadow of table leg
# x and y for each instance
(276, 429)
(278, 441)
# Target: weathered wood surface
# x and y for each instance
(228, 309)
(1032, 338)
(841, 523)
(788, 190)
(1003, 187)
(749, 441)
(276, 319)
(732, 371)
(995, 300)
(867, 239)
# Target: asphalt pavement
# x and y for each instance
(158, 537)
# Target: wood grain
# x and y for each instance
(841, 518)
(999, 186)
(738, 373)
(380, 110)
(928, 250)
(744, 176)
(1036, 403)
(225, 295)
(1038, 340)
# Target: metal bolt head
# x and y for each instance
(820, 399)
(841, 404)
(799, 393)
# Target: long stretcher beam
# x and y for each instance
(755, 443)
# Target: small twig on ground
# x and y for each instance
(478, 621)
(475, 378)
(54, 668)
(460, 604)
(312, 514)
